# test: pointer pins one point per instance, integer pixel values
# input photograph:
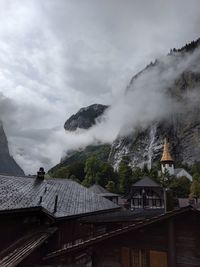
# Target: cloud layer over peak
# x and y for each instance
(57, 56)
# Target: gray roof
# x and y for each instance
(177, 170)
(146, 182)
(73, 198)
(99, 190)
(24, 246)
(122, 215)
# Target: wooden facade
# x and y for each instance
(146, 194)
(70, 235)
(170, 240)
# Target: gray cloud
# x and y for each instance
(57, 56)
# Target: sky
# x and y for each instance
(59, 56)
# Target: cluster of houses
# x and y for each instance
(58, 222)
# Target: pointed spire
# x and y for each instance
(166, 156)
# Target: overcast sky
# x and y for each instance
(57, 56)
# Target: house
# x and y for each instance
(40, 215)
(101, 191)
(166, 240)
(146, 193)
(58, 222)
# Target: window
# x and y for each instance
(139, 258)
(143, 258)
(134, 257)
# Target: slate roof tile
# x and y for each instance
(73, 198)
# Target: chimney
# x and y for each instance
(40, 200)
(169, 200)
(55, 204)
(41, 173)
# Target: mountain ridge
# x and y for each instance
(182, 127)
(8, 165)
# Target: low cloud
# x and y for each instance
(58, 56)
(150, 97)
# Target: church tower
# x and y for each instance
(167, 163)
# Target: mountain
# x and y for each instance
(182, 127)
(85, 117)
(101, 152)
(7, 164)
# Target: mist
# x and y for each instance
(59, 56)
(147, 99)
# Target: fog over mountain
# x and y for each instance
(59, 56)
(162, 100)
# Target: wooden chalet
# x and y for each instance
(38, 216)
(165, 240)
(58, 222)
(146, 193)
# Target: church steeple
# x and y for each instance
(166, 156)
(167, 163)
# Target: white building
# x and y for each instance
(167, 164)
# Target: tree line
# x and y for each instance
(94, 170)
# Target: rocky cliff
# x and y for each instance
(182, 126)
(7, 164)
(85, 117)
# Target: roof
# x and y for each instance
(20, 249)
(166, 156)
(146, 182)
(99, 190)
(73, 198)
(177, 170)
(122, 216)
(125, 229)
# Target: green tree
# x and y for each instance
(125, 176)
(195, 189)
(92, 168)
(111, 187)
(153, 173)
(196, 176)
(145, 170)
(180, 186)
(62, 172)
(105, 174)
(196, 168)
(77, 169)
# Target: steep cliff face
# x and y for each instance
(85, 117)
(182, 126)
(145, 146)
(7, 163)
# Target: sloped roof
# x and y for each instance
(166, 156)
(99, 190)
(146, 182)
(177, 170)
(73, 198)
(122, 216)
(20, 249)
(120, 231)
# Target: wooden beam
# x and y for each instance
(171, 244)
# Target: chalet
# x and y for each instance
(58, 222)
(168, 239)
(146, 193)
(38, 215)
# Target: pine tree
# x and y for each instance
(125, 176)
